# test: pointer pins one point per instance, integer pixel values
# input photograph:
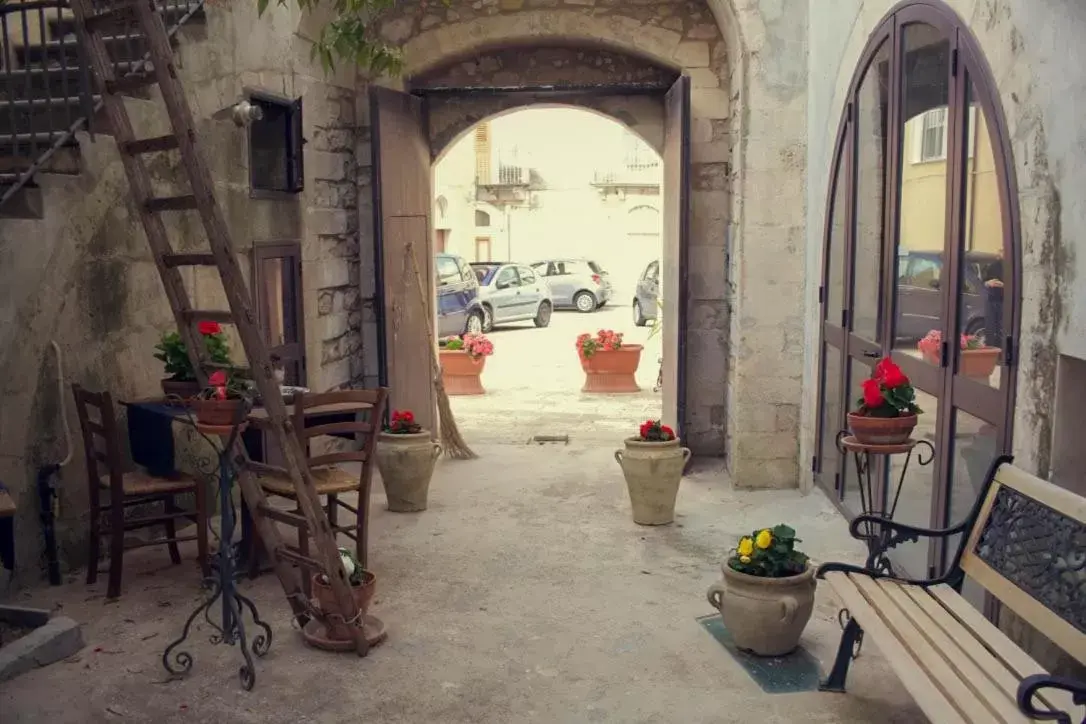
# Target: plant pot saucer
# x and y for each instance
(851, 444)
(220, 430)
(315, 635)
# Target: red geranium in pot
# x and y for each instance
(217, 405)
(171, 351)
(887, 410)
(608, 364)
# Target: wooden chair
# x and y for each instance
(102, 447)
(331, 481)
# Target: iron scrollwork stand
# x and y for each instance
(878, 544)
(223, 583)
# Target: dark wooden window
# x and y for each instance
(275, 145)
(277, 294)
(921, 243)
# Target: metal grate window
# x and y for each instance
(275, 145)
(932, 140)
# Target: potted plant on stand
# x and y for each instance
(767, 593)
(887, 411)
(608, 364)
(181, 381)
(363, 586)
(405, 458)
(218, 405)
(653, 464)
(462, 361)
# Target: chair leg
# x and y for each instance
(303, 548)
(116, 547)
(202, 522)
(171, 531)
(94, 552)
(362, 527)
(835, 682)
(332, 508)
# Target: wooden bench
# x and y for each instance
(1025, 543)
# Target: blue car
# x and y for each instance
(458, 307)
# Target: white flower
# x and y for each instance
(345, 559)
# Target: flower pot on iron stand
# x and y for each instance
(215, 412)
(871, 430)
(611, 370)
(406, 463)
(652, 471)
(461, 373)
(764, 615)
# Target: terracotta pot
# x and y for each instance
(461, 372)
(185, 389)
(881, 430)
(216, 412)
(612, 370)
(652, 471)
(326, 601)
(931, 356)
(764, 615)
(406, 464)
(979, 363)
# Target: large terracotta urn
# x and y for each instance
(652, 471)
(461, 373)
(612, 370)
(764, 615)
(406, 464)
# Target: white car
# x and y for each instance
(512, 292)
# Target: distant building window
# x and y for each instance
(482, 218)
(931, 136)
(275, 145)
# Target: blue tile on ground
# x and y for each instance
(791, 674)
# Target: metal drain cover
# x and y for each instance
(549, 440)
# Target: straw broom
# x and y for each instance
(452, 442)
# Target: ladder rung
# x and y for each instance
(171, 203)
(151, 145)
(297, 558)
(176, 260)
(224, 366)
(130, 83)
(282, 516)
(209, 315)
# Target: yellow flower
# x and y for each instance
(746, 546)
(744, 559)
(764, 539)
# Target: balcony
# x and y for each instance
(629, 175)
(509, 185)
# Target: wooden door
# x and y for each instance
(401, 195)
(675, 231)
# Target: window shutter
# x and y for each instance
(295, 159)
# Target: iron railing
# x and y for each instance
(505, 176)
(46, 93)
(629, 174)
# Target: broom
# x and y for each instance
(452, 442)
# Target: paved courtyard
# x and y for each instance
(524, 594)
(534, 379)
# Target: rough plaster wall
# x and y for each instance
(681, 35)
(1033, 49)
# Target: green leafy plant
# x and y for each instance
(173, 354)
(769, 553)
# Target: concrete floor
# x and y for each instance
(524, 594)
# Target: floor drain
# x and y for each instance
(549, 440)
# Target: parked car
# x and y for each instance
(920, 298)
(579, 283)
(512, 292)
(647, 295)
(458, 307)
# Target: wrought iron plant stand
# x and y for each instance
(225, 571)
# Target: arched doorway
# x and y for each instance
(921, 263)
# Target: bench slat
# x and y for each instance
(931, 700)
(925, 654)
(1017, 660)
(1001, 704)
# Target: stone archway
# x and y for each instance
(745, 408)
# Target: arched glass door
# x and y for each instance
(920, 250)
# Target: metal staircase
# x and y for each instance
(46, 93)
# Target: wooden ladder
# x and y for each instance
(90, 23)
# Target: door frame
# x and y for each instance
(277, 249)
(954, 392)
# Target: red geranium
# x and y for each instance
(208, 328)
(217, 381)
(403, 423)
(872, 393)
(888, 393)
(890, 374)
(654, 431)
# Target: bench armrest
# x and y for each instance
(1033, 684)
(892, 533)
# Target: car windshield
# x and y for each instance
(596, 268)
(485, 272)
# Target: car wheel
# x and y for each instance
(638, 315)
(488, 319)
(543, 316)
(975, 328)
(475, 322)
(585, 302)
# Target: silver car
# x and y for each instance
(512, 293)
(579, 283)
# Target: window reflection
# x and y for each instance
(921, 258)
(981, 301)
